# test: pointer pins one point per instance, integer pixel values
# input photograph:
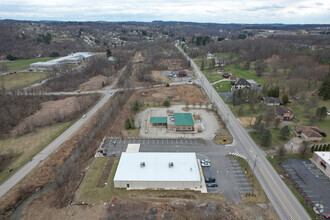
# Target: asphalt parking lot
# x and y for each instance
(229, 175)
(312, 181)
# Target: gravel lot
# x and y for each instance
(208, 120)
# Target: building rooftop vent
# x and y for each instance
(142, 164)
(170, 164)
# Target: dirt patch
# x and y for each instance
(138, 58)
(157, 76)
(144, 208)
(94, 83)
(105, 173)
(174, 64)
(247, 121)
(52, 112)
(156, 96)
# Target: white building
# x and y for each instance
(74, 58)
(175, 171)
(322, 160)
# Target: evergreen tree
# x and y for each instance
(285, 99)
(324, 90)
(109, 54)
(127, 124)
(285, 132)
(266, 138)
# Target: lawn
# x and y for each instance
(276, 138)
(222, 86)
(21, 80)
(25, 147)
(274, 160)
(89, 190)
(213, 77)
(24, 64)
(239, 72)
(298, 109)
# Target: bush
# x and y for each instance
(166, 103)
(127, 124)
(10, 57)
(54, 54)
(136, 106)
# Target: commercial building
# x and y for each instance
(175, 122)
(175, 171)
(322, 160)
(74, 58)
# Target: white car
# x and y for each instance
(84, 116)
(206, 164)
(206, 161)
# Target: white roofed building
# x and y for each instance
(74, 58)
(322, 160)
(175, 171)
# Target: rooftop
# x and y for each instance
(158, 120)
(156, 167)
(183, 119)
(325, 155)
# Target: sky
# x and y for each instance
(214, 11)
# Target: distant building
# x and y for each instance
(310, 133)
(172, 171)
(182, 74)
(241, 83)
(209, 55)
(284, 113)
(74, 58)
(254, 85)
(322, 160)
(271, 101)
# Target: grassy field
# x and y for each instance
(222, 86)
(212, 76)
(239, 72)
(89, 190)
(21, 80)
(276, 138)
(24, 64)
(25, 147)
(274, 159)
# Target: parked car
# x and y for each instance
(206, 164)
(210, 180)
(206, 161)
(327, 216)
(212, 185)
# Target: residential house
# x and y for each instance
(254, 85)
(209, 55)
(182, 74)
(310, 133)
(241, 83)
(284, 113)
(271, 101)
(232, 78)
(227, 75)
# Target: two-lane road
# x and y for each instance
(282, 199)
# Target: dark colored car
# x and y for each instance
(210, 180)
(212, 185)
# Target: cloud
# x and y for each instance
(220, 11)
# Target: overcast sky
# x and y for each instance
(217, 11)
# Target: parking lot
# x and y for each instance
(313, 183)
(229, 175)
